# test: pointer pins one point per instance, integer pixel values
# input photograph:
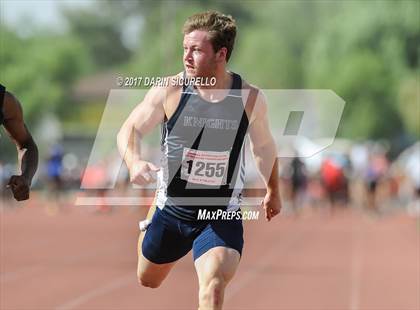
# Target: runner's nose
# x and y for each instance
(187, 56)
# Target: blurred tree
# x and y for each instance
(160, 49)
(99, 28)
(366, 52)
(363, 54)
(40, 70)
(278, 40)
(409, 104)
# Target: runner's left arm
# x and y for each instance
(26, 147)
(264, 151)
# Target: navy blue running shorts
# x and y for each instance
(168, 238)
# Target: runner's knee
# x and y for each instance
(148, 281)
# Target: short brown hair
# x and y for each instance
(221, 28)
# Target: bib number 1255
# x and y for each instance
(204, 167)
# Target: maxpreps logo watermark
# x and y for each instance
(306, 119)
(224, 215)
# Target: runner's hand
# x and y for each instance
(271, 205)
(141, 172)
(19, 186)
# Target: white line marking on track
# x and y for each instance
(355, 270)
(268, 257)
(101, 290)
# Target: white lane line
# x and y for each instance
(355, 270)
(101, 290)
(268, 257)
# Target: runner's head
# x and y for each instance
(209, 38)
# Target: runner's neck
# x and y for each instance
(224, 83)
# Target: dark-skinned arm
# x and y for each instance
(25, 145)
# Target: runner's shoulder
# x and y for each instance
(170, 83)
(12, 108)
(169, 87)
(259, 104)
(249, 86)
(248, 89)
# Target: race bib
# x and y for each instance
(204, 167)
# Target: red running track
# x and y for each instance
(76, 259)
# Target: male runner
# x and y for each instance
(11, 117)
(203, 132)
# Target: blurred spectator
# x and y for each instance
(334, 179)
(377, 167)
(298, 182)
(54, 167)
(412, 169)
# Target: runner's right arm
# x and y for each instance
(146, 116)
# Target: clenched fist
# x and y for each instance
(271, 205)
(141, 172)
(19, 186)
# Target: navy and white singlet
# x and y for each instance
(203, 146)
